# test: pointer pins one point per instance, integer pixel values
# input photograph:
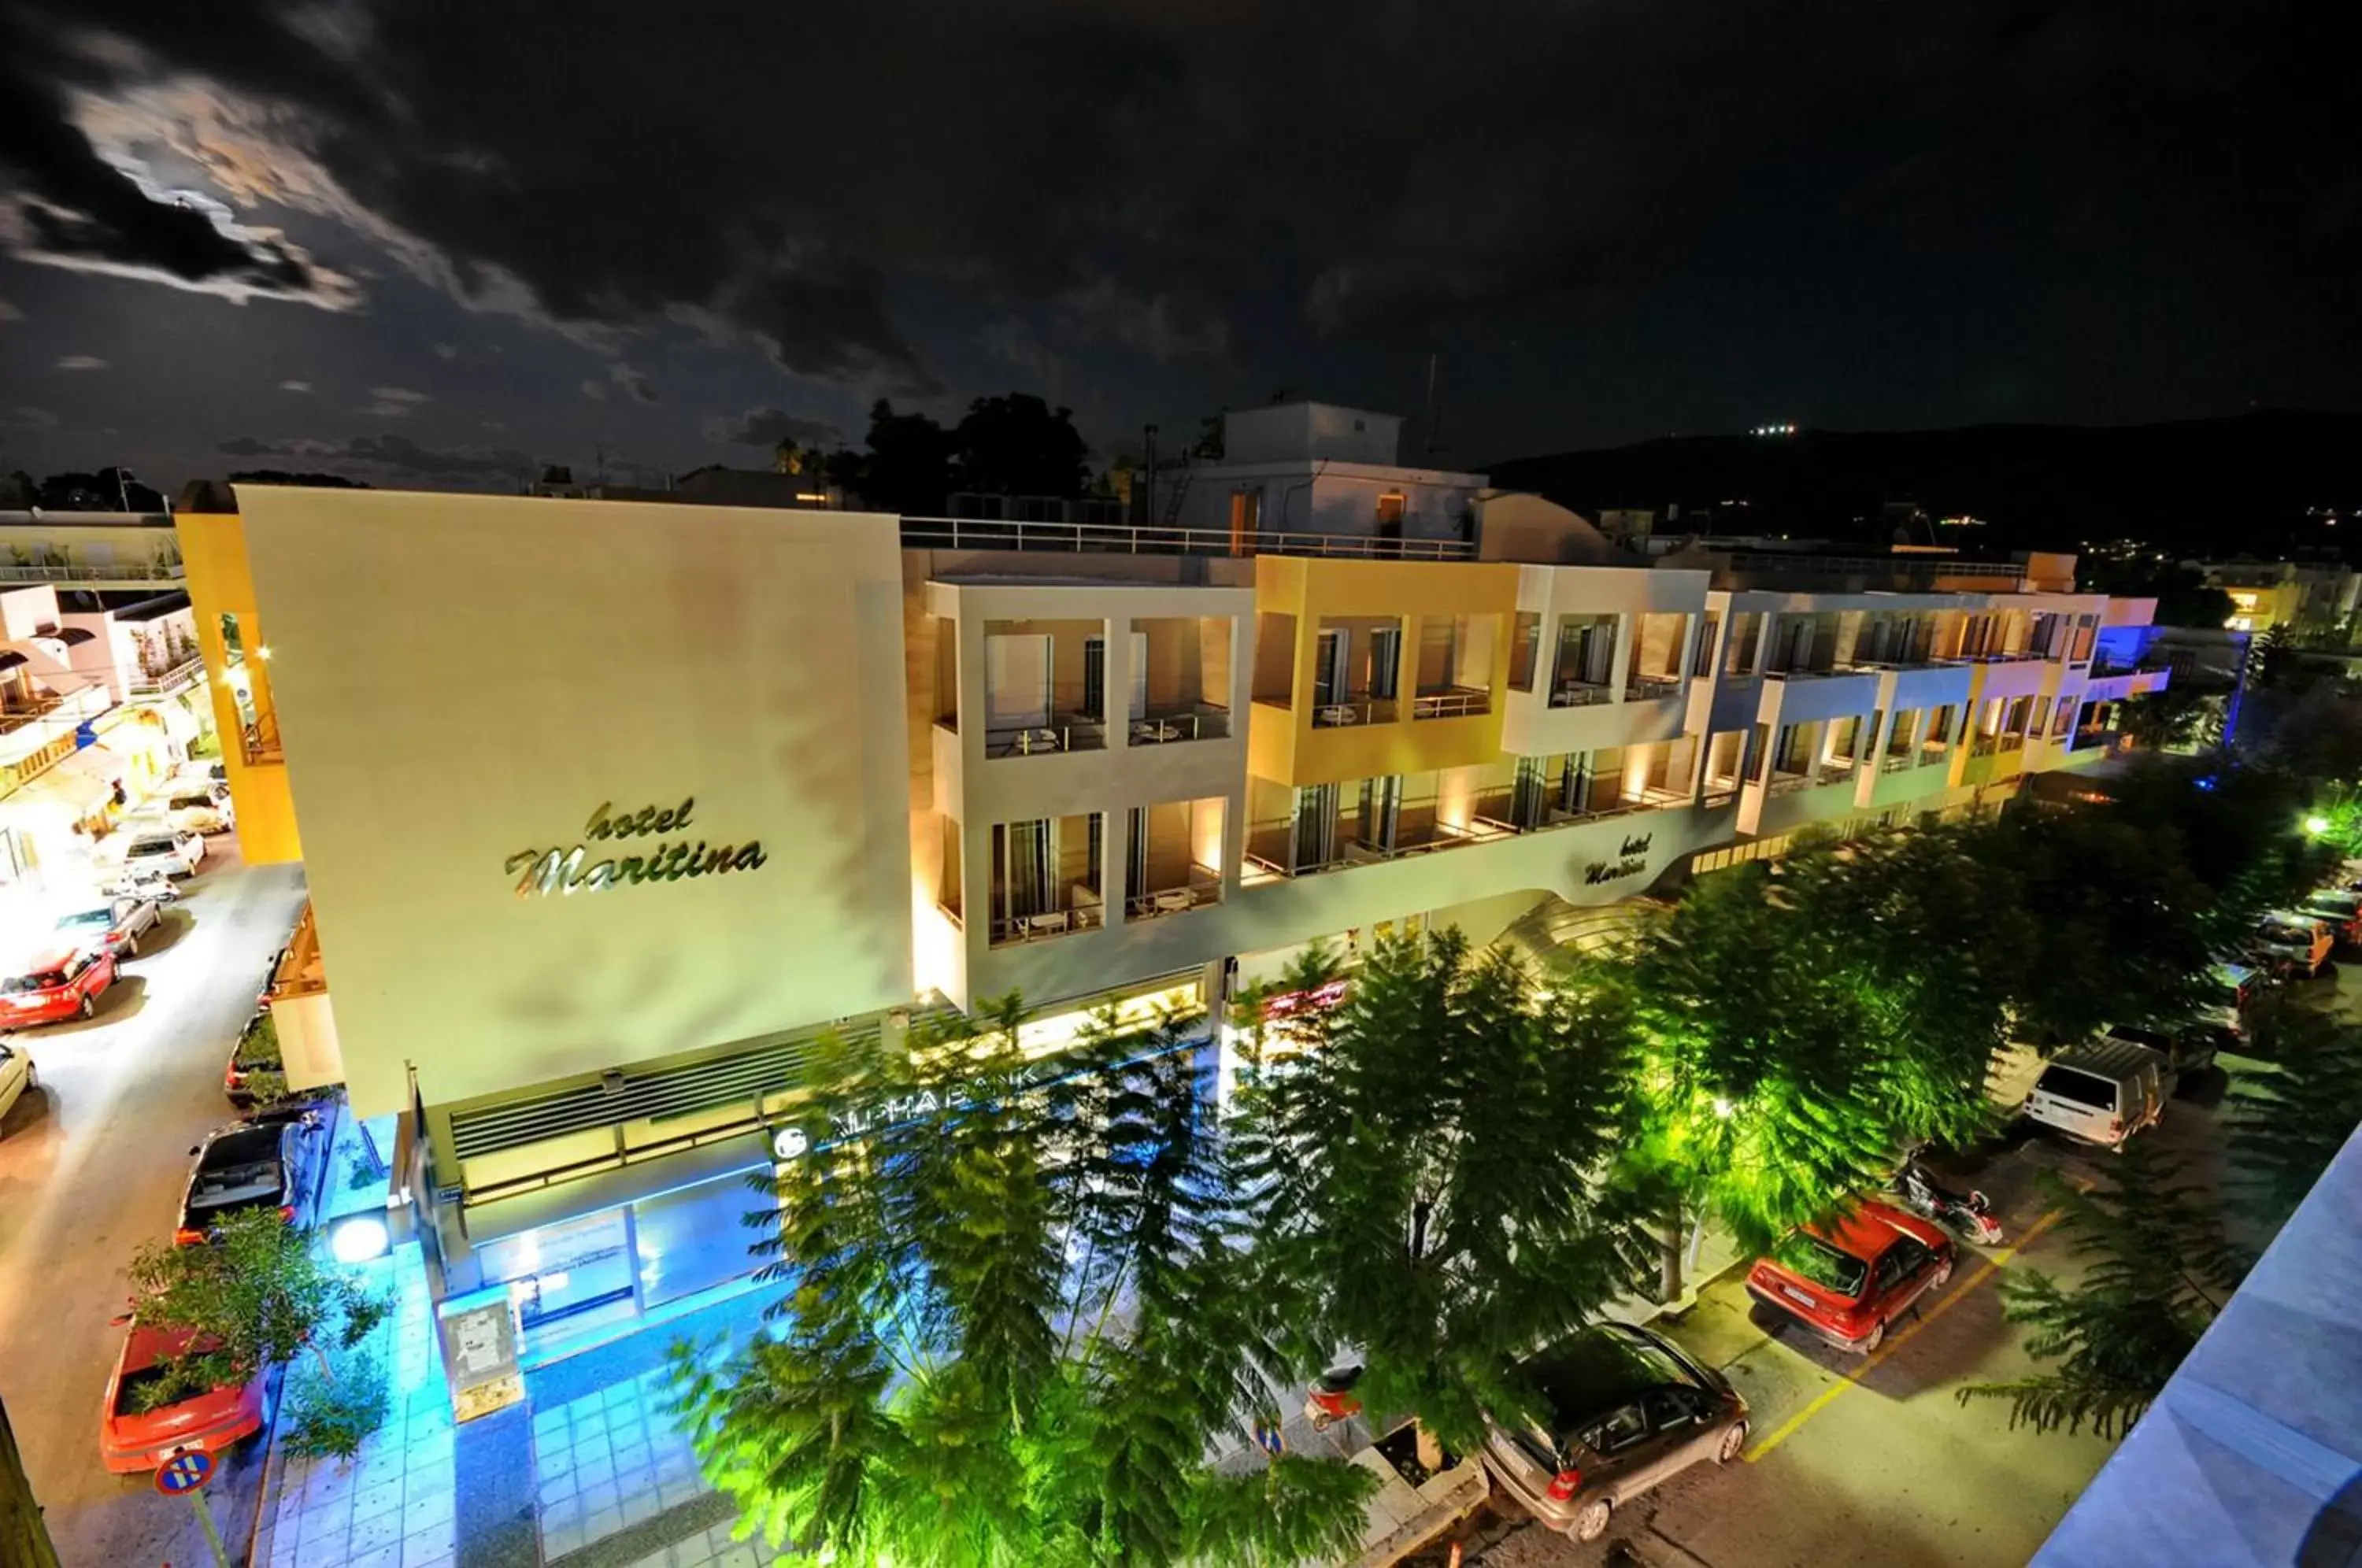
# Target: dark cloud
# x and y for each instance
(1638, 206)
(79, 362)
(398, 456)
(769, 427)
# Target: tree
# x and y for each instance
(1430, 1159)
(283, 476)
(1019, 445)
(1017, 1315)
(2182, 594)
(2158, 720)
(256, 1295)
(2286, 1125)
(1764, 1104)
(2157, 1272)
(24, 1536)
(908, 470)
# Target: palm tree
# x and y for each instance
(1017, 1318)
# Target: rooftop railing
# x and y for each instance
(1150, 539)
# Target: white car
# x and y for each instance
(200, 805)
(16, 1076)
(174, 852)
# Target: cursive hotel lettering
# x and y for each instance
(1639, 845)
(564, 872)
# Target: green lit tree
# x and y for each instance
(257, 1294)
(1430, 1156)
(2155, 1270)
(2288, 1123)
(1018, 1317)
(2160, 721)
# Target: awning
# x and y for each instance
(616, 1186)
(75, 636)
(11, 659)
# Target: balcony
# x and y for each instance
(1451, 702)
(1355, 711)
(1067, 726)
(1011, 929)
(1143, 539)
(1648, 688)
(1581, 693)
(1202, 888)
(164, 683)
(1200, 722)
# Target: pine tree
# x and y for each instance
(2156, 1272)
(1429, 1160)
(1018, 1318)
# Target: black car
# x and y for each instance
(265, 1163)
(1622, 1410)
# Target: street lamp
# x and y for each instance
(2316, 824)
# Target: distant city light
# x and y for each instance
(1773, 430)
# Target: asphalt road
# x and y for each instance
(92, 1164)
(1872, 1462)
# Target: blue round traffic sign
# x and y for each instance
(185, 1473)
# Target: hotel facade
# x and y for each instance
(610, 810)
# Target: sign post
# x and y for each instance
(185, 1474)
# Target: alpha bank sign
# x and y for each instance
(626, 849)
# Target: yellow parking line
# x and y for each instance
(1994, 1265)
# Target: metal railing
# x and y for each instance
(1905, 763)
(1012, 929)
(1196, 724)
(1150, 539)
(1358, 711)
(1581, 694)
(1788, 783)
(1451, 702)
(1927, 567)
(1172, 900)
(259, 741)
(165, 682)
(111, 571)
(1645, 687)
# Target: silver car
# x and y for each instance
(117, 925)
(1622, 1410)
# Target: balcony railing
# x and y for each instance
(1357, 710)
(1581, 693)
(258, 740)
(1451, 702)
(109, 571)
(1191, 724)
(1903, 762)
(1204, 888)
(164, 683)
(1645, 687)
(1788, 783)
(47, 718)
(1011, 929)
(1144, 539)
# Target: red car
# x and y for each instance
(60, 983)
(1848, 1279)
(131, 1440)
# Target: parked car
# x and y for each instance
(2101, 1092)
(131, 1440)
(1622, 1410)
(55, 984)
(173, 851)
(200, 810)
(2293, 944)
(1848, 1279)
(116, 925)
(262, 1163)
(16, 1077)
(2187, 1048)
(2339, 909)
(256, 1050)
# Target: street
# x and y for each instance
(1871, 1462)
(92, 1164)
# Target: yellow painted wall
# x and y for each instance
(1282, 744)
(213, 549)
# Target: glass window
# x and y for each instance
(1668, 1408)
(1621, 1430)
(2069, 1083)
(1810, 1258)
(691, 1240)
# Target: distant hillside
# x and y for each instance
(2213, 486)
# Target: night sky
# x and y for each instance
(435, 244)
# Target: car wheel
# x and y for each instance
(88, 1007)
(1592, 1523)
(131, 948)
(1943, 1275)
(1734, 1443)
(1877, 1338)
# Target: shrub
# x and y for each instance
(330, 1415)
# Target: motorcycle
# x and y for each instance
(1330, 1399)
(1969, 1213)
(152, 886)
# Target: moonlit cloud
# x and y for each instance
(80, 362)
(295, 386)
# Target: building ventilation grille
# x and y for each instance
(742, 1078)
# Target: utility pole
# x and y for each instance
(24, 1539)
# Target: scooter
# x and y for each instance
(1969, 1213)
(1331, 1399)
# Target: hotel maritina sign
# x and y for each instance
(661, 858)
(1630, 861)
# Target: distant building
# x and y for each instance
(1314, 469)
(2300, 595)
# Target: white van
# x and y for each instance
(2101, 1092)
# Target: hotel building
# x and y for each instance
(608, 809)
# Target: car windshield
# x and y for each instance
(40, 980)
(2083, 1089)
(153, 847)
(2155, 1039)
(86, 919)
(236, 1186)
(181, 802)
(1810, 1258)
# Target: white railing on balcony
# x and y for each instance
(1581, 694)
(1008, 930)
(165, 682)
(1204, 888)
(95, 571)
(1451, 702)
(1196, 724)
(1148, 540)
(1360, 711)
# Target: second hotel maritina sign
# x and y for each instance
(542, 872)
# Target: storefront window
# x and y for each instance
(693, 1239)
(563, 1271)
